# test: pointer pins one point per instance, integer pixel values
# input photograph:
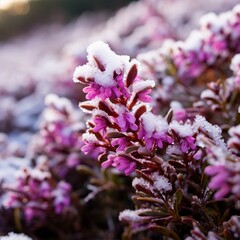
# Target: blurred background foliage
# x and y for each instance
(17, 16)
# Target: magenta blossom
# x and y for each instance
(122, 163)
(154, 131)
(127, 121)
(122, 143)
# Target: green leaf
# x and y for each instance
(178, 199)
(150, 200)
(154, 213)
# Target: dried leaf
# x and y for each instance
(87, 107)
(131, 75)
(140, 111)
(115, 135)
(104, 107)
(99, 64)
(169, 116)
(131, 149)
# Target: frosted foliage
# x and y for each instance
(35, 173)
(57, 102)
(213, 131)
(176, 105)
(194, 41)
(142, 85)
(141, 182)
(153, 123)
(100, 52)
(89, 137)
(184, 130)
(208, 94)
(209, 19)
(9, 167)
(14, 236)
(160, 183)
(130, 216)
(219, 157)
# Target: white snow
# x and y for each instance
(110, 61)
(34, 173)
(210, 20)
(141, 85)
(194, 41)
(213, 131)
(14, 236)
(235, 64)
(160, 183)
(58, 102)
(153, 123)
(184, 130)
(89, 137)
(9, 168)
(208, 94)
(130, 216)
(175, 105)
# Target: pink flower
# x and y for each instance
(122, 143)
(100, 123)
(154, 131)
(144, 95)
(127, 121)
(122, 163)
(187, 143)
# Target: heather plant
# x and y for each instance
(173, 192)
(159, 155)
(60, 184)
(204, 57)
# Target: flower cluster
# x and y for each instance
(36, 193)
(161, 143)
(210, 46)
(118, 99)
(204, 57)
(59, 137)
(171, 156)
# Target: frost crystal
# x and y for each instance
(160, 183)
(212, 131)
(184, 130)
